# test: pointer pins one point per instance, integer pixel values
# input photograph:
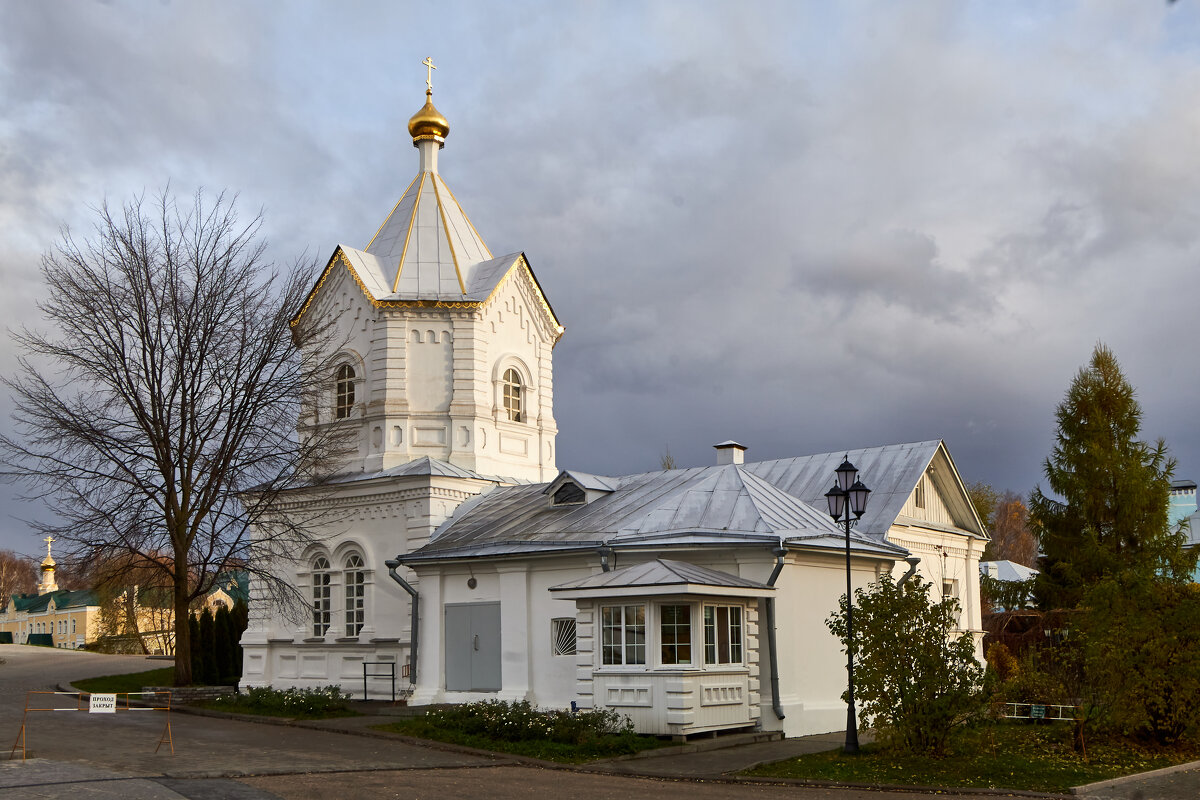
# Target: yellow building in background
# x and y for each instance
(54, 617)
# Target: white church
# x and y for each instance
(692, 600)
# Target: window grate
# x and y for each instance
(562, 633)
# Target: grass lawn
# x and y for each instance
(607, 746)
(130, 682)
(999, 756)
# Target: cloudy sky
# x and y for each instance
(806, 226)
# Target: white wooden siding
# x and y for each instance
(935, 507)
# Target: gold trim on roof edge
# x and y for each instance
(521, 262)
(393, 211)
(312, 295)
(340, 255)
(408, 235)
(470, 224)
(462, 287)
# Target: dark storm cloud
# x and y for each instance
(805, 226)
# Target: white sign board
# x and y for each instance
(103, 704)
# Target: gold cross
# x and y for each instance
(48, 540)
(428, 62)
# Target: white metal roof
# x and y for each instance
(662, 576)
(1006, 570)
(726, 505)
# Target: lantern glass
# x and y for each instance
(837, 501)
(847, 474)
(858, 498)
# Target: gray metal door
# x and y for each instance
(473, 647)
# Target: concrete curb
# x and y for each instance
(1154, 773)
(892, 787)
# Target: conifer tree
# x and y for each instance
(1110, 514)
(194, 659)
(223, 645)
(207, 647)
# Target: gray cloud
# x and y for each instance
(707, 192)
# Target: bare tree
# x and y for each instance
(18, 575)
(159, 413)
(136, 611)
(1012, 538)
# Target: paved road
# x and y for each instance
(78, 755)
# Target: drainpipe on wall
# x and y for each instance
(776, 706)
(912, 568)
(414, 628)
(606, 553)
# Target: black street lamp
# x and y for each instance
(848, 497)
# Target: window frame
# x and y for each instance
(343, 397)
(354, 581)
(322, 596)
(735, 650)
(513, 396)
(619, 638)
(673, 649)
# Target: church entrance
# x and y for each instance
(472, 647)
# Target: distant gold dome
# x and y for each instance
(428, 123)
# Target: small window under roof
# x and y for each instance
(568, 494)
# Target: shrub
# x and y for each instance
(1142, 652)
(916, 676)
(1002, 663)
(523, 721)
(287, 702)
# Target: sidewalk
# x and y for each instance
(720, 758)
(217, 746)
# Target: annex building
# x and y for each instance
(459, 551)
(50, 615)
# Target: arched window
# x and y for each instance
(514, 402)
(345, 391)
(320, 595)
(355, 594)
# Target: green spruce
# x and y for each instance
(1106, 513)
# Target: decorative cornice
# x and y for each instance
(380, 498)
(521, 266)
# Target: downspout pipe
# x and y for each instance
(776, 706)
(606, 553)
(912, 562)
(415, 626)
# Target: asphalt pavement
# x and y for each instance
(80, 755)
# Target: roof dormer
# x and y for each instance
(578, 488)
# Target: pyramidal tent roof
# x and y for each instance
(427, 252)
(428, 242)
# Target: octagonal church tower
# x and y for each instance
(448, 347)
(444, 376)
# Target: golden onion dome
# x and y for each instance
(428, 123)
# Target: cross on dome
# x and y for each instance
(428, 62)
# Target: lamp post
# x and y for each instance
(848, 497)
